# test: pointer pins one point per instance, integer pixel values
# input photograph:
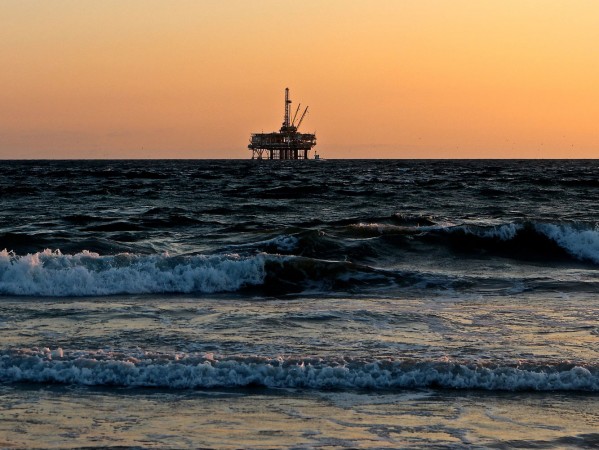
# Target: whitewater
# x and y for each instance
(378, 304)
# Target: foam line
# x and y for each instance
(187, 372)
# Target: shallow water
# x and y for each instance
(59, 417)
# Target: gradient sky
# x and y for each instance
(383, 78)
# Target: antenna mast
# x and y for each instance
(287, 108)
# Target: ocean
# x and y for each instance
(302, 304)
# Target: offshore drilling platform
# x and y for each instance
(287, 143)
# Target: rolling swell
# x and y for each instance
(298, 274)
(519, 240)
(185, 371)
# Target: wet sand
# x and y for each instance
(69, 417)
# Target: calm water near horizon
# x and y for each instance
(264, 304)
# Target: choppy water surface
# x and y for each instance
(344, 303)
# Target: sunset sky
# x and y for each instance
(383, 78)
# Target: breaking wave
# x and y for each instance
(576, 240)
(50, 273)
(184, 371)
(579, 242)
(529, 240)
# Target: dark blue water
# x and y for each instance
(317, 275)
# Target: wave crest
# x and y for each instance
(182, 371)
(50, 273)
(582, 243)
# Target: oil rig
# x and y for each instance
(287, 143)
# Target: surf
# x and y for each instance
(189, 371)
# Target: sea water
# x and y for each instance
(267, 304)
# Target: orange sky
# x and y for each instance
(383, 78)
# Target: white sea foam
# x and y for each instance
(504, 232)
(378, 227)
(580, 243)
(184, 372)
(50, 273)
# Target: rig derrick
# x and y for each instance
(287, 143)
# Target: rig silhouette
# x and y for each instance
(287, 143)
